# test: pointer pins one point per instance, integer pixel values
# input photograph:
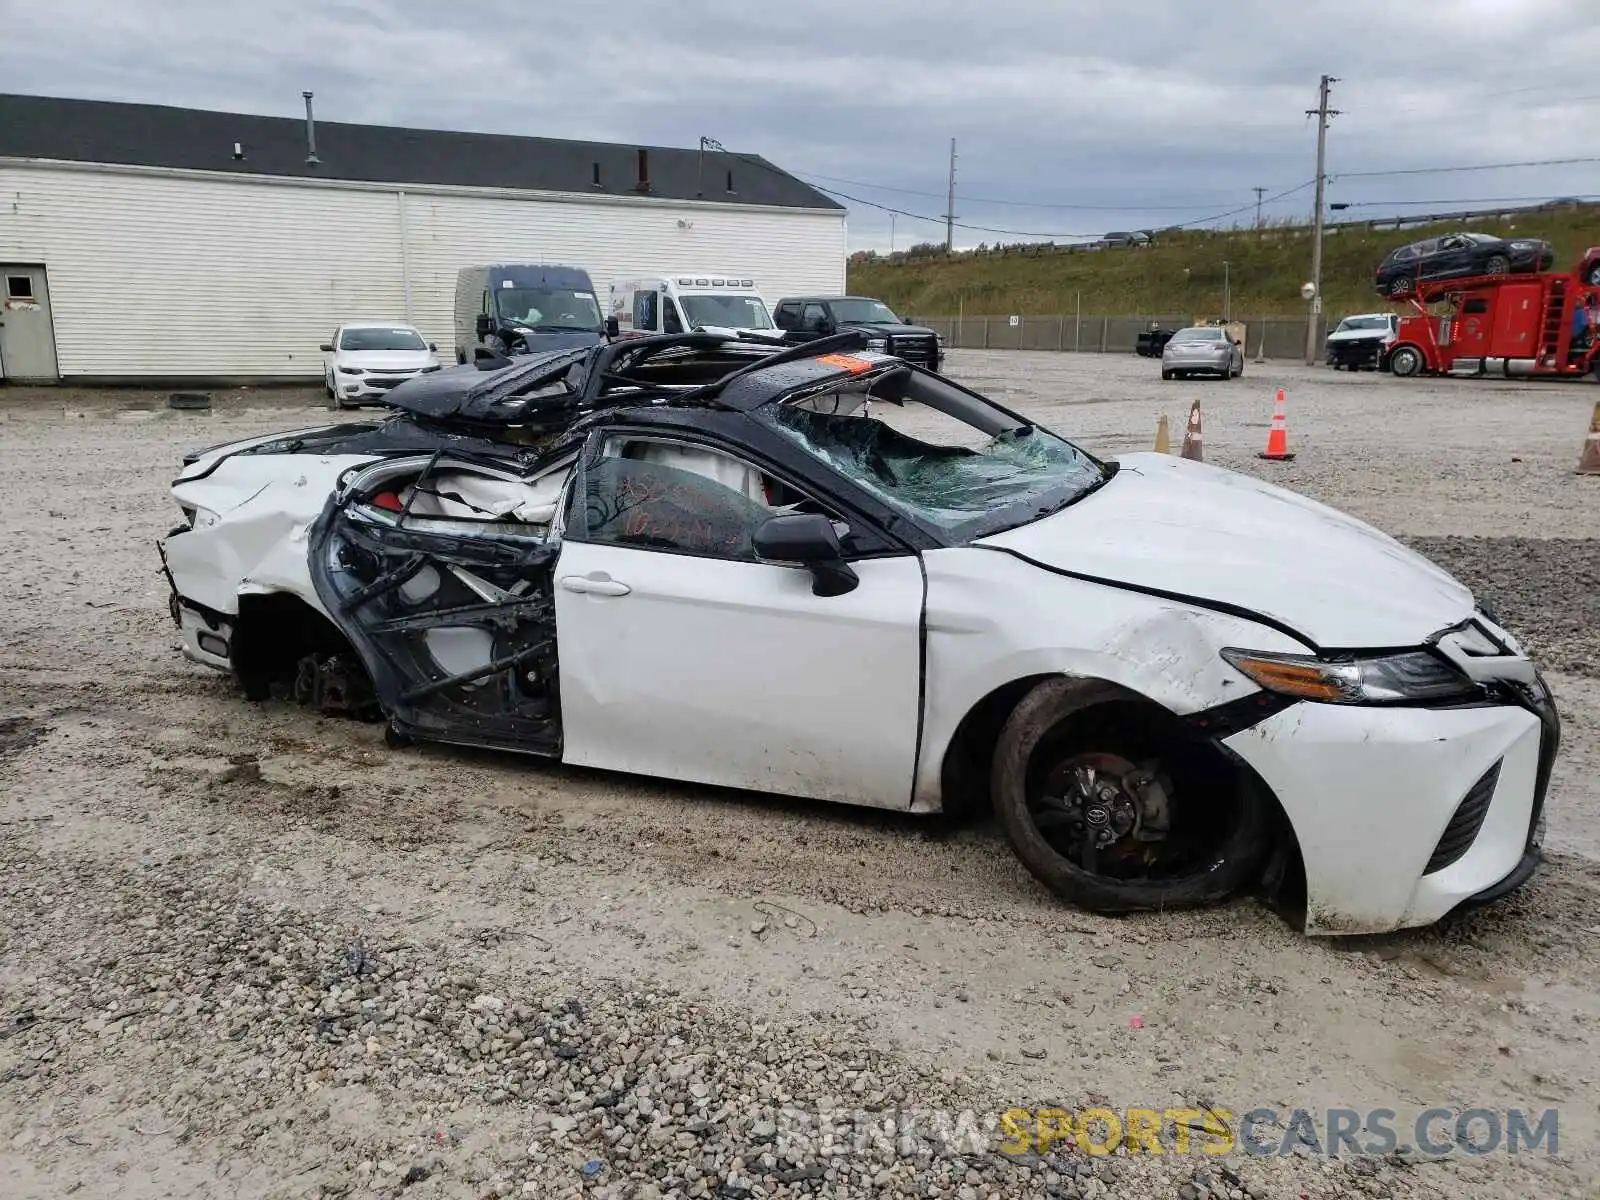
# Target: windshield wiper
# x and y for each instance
(1108, 473)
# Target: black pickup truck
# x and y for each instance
(1151, 342)
(806, 318)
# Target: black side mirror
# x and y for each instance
(485, 325)
(823, 326)
(327, 347)
(808, 540)
(612, 327)
(1238, 343)
(433, 348)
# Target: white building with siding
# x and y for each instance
(145, 243)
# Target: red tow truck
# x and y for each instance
(1501, 325)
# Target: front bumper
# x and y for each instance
(1357, 352)
(370, 387)
(1405, 814)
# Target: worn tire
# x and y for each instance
(1042, 714)
(1166, 375)
(1497, 264)
(1400, 286)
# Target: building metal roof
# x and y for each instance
(154, 135)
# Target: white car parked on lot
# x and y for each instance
(838, 576)
(365, 359)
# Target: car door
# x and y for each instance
(815, 320)
(1454, 257)
(684, 656)
(1426, 265)
(330, 355)
(439, 572)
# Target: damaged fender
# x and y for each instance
(1160, 649)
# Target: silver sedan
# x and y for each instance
(1204, 349)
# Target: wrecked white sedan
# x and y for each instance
(834, 575)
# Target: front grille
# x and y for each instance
(1463, 828)
(387, 381)
(916, 348)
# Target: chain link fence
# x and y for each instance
(1265, 337)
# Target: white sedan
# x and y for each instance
(365, 359)
(839, 576)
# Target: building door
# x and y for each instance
(27, 338)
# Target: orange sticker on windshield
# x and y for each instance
(846, 362)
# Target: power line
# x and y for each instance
(1481, 200)
(1052, 206)
(1538, 162)
(882, 187)
(1038, 233)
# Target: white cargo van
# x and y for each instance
(684, 303)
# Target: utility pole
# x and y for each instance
(1322, 112)
(950, 208)
(1260, 192)
(891, 235)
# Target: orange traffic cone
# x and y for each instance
(1589, 460)
(1278, 437)
(1192, 438)
(1163, 436)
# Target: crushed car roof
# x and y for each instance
(551, 389)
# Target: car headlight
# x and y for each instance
(1381, 679)
(878, 344)
(1522, 245)
(351, 371)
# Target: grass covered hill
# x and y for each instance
(1180, 272)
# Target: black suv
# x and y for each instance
(1456, 255)
(806, 318)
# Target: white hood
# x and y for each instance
(1182, 527)
(387, 360)
(1361, 335)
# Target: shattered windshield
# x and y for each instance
(964, 466)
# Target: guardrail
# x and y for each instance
(1266, 337)
(1266, 232)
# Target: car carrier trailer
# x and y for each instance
(1509, 326)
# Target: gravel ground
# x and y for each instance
(248, 952)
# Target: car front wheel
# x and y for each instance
(1116, 808)
(1400, 286)
(1498, 264)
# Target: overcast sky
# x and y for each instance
(1088, 116)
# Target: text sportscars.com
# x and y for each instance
(1437, 1132)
